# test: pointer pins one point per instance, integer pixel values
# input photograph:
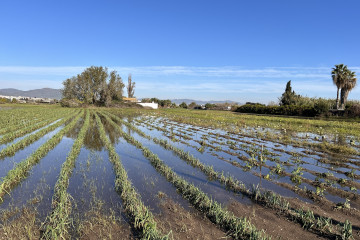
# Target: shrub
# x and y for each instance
(353, 111)
(291, 110)
(322, 106)
(72, 103)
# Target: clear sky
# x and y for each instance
(203, 49)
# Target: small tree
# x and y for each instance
(288, 97)
(130, 87)
(192, 105)
(210, 105)
(183, 105)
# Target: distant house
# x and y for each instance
(130, 99)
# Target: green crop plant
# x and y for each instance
(278, 169)
(306, 218)
(296, 175)
(57, 223)
(346, 232)
(140, 216)
(320, 191)
(324, 223)
(21, 170)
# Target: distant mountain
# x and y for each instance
(40, 93)
(199, 102)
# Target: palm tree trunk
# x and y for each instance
(344, 95)
(337, 99)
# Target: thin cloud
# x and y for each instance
(227, 71)
(228, 82)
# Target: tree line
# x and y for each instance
(291, 103)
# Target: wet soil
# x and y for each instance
(274, 225)
(185, 224)
(328, 210)
(101, 226)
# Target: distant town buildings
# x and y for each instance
(21, 99)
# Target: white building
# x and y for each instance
(150, 105)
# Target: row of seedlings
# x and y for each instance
(269, 199)
(139, 215)
(21, 170)
(295, 175)
(12, 122)
(13, 148)
(238, 228)
(323, 146)
(57, 223)
(15, 119)
(12, 135)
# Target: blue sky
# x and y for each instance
(205, 50)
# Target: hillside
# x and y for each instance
(40, 93)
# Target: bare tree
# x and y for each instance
(130, 87)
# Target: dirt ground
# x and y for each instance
(338, 215)
(274, 225)
(19, 224)
(186, 225)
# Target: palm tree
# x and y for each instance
(350, 83)
(338, 75)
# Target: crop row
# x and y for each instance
(17, 118)
(295, 174)
(238, 228)
(140, 216)
(21, 170)
(12, 149)
(59, 220)
(12, 135)
(269, 199)
(282, 137)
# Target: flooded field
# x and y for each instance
(175, 174)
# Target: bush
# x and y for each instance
(353, 111)
(291, 110)
(72, 103)
(322, 106)
(4, 100)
